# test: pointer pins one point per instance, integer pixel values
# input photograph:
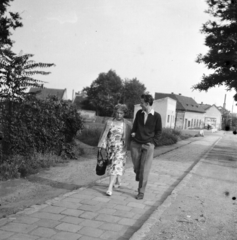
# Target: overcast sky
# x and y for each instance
(155, 41)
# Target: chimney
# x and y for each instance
(180, 94)
(201, 103)
(172, 93)
(72, 95)
(224, 105)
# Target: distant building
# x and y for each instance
(43, 93)
(87, 115)
(213, 116)
(223, 110)
(166, 107)
(188, 113)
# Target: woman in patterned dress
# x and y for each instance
(115, 140)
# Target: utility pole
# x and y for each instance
(231, 117)
(224, 104)
(224, 115)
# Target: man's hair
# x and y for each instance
(147, 98)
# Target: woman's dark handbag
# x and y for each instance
(101, 163)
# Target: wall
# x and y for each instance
(213, 117)
(64, 95)
(193, 120)
(179, 120)
(87, 115)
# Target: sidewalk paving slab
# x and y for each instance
(87, 213)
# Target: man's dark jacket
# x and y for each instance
(150, 132)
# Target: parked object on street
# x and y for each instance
(213, 130)
(201, 133)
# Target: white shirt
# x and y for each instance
(146, 114)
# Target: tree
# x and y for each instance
(133, 90)
(15, 71)
(17, 75)
(104, 93)
(7, 23)
(221, 38)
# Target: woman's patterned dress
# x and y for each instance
(115, 149)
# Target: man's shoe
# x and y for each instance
(140, 196)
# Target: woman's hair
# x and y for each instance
(147, 98)
(121, 107)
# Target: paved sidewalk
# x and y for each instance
(88, 214)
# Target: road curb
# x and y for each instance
(154, 217)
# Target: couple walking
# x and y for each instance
(118, 136)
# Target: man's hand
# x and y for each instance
(133, 134)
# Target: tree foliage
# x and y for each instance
(133, 89)
(221, 38)
(108, 90)
(104, 93)
(40, 126)
(8, 22)
(17, 74)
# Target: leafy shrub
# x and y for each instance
(36, 126)
(169, 136)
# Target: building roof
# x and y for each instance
(223, 110)
(205, 106)
(183, 103)
(45, 92)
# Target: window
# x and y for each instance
(168, 119)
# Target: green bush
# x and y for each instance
(39, 126)
(169, 136)
(36, 134)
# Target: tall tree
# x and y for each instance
(104, 93)
(8, 22)
(221, 38)
(133, 89)
(16, 72)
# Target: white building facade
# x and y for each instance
(213, 117)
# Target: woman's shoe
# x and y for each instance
(109, 193)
